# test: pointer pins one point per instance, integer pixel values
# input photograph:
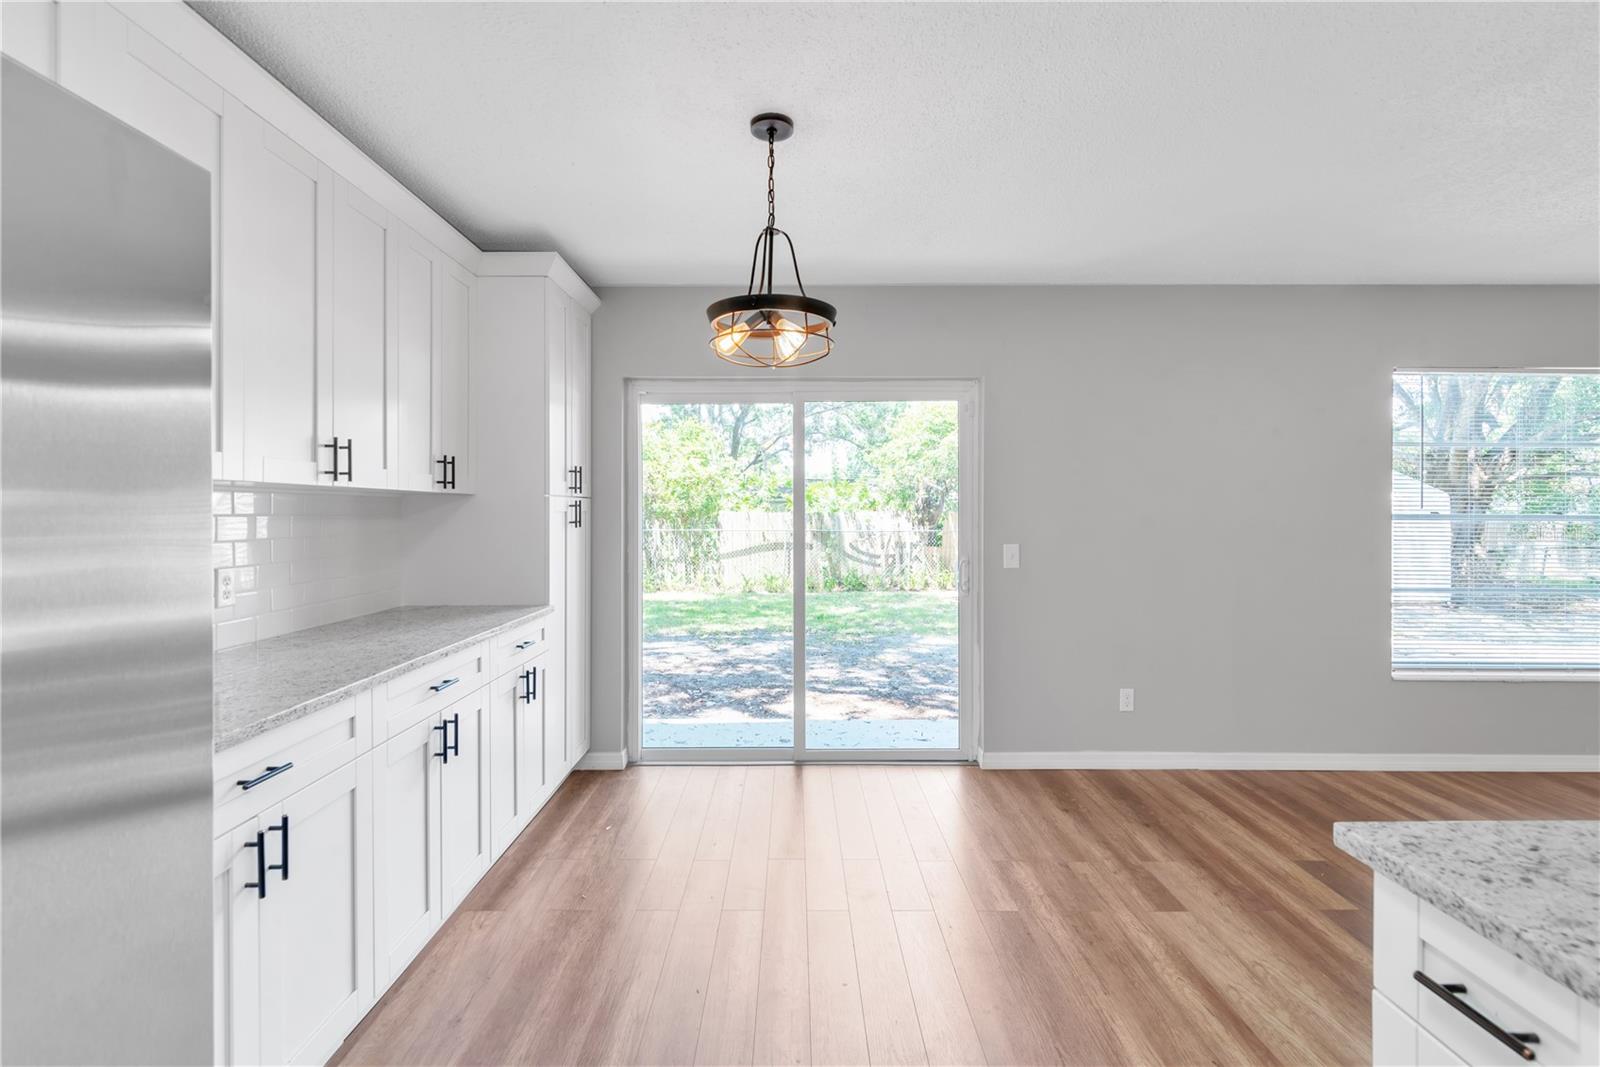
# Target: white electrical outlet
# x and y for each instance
(225, 594)
(1010, 557)
(1125, 700)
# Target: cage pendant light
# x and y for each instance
(764, 328)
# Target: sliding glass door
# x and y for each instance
(832, 624)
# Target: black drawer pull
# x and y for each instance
(283, 866)
(446, 684)
(1452, 992)
(270, 772)
(260, 845)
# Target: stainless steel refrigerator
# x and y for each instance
(105, 619)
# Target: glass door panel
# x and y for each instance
(717, 565)
(882, 609)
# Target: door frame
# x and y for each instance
(968, 393)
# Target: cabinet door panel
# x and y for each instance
(277, 206)
(516, 735)
(237, 945)
(318, 918)
(464, 799)
(355, 390)
(415, 308)
(555, 680)
(577, 637)
(578, 375)
(455, 371)
(557, 307)
(405, 847)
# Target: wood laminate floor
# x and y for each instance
(852, 915)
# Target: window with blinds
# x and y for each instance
(1495, 522)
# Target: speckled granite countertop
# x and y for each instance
(259, 687)
(1533, 888)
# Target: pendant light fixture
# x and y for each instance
(764, 328)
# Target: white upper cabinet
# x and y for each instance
(418, 328)
(559, 479)
(578, 376)
(452, 394)
(354, 402)
(277, 295)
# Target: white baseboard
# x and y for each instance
(595, 760)
(1286, 761)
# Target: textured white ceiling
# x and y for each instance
(979, 143)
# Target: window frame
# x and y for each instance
(1484, 674)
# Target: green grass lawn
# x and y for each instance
(839, 615)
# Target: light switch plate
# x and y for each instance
(1010, 557)
(225, 587)
(1125, 700)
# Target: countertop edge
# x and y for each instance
(1476, 917)
(259, 727)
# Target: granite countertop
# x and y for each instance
(259, 687)
(1533, 888)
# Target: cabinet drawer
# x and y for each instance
(283, 760)
(1513, 995)
(413, 696)
(515, 647)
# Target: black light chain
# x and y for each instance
(771, 209)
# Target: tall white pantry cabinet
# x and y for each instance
(362, 343)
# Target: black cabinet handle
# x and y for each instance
(1452, 992)
(446, 684)
(348, 448)
(572, 479)
(447, 472)
(260, 845)
(282, 867)
(577, 513)
(444, 747)
(452, 472)
(453, 746)
(270, 772)
(527, 687)
(335, 471)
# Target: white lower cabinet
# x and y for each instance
(322, 896)
(516, 750)
(294, 923)
(464, 846)
(1443, 994)
(406, 846)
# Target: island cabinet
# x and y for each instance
(346, 836)
(1445, 994)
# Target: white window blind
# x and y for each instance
(1495, 522)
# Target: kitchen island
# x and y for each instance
(1486, 940)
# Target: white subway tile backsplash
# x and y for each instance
(304, 559)
(232, 528)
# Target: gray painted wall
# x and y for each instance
(1213, 532)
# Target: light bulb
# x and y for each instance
(729, 340)
(787, 337)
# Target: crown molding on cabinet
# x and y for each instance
(538, 265)
(199, 43)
